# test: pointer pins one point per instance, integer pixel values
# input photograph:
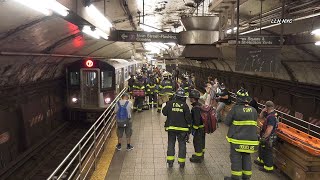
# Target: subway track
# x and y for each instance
(43, 161)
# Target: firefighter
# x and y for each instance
(242, 136)
(185, 85)
(151, 91)
(197, 128)
(165, 90)
(138, 100)
(267, 137)
(177, 125)
(130, 84)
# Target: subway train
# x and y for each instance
(92, 85)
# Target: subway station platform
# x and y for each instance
(148, 159)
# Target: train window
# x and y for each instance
(74, 78)
(106, 77)
(90, 78)
(126, 73)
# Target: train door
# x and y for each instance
(90, 87)
(122, 77)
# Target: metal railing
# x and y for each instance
(288, 119)
(82, 159)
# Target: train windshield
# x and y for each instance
(106, 79)
(74, 78)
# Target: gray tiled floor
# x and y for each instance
(148, 159)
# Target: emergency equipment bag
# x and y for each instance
(209, 120)
(138, 93)
(122, 115)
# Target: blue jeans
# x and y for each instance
(220, 107)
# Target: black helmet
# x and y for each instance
(180, 93)
(194, 94)
(243, 95)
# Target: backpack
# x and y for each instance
(122, 115)
(209, 120)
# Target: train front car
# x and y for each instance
(91, 86)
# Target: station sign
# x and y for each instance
(251, 59)
(143, 36)
(257, 40)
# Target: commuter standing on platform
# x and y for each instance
(124, 124)
(130, 84)
(177, 124)
(138, 99)
(224, 99)
(198, 132)
(242, 136)
(267, 137)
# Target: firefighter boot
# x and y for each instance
(182, 164)
(196, 159)
(170, 164)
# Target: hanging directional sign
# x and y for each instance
(142, 36)
(257, 40)
(251, 59)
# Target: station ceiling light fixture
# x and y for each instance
(46, 6)
(90, 32)
(230, 30)
(316, 32)
(95, 14)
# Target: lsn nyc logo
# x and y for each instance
(281, 21)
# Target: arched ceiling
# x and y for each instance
(32, 45)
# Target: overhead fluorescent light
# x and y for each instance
(149, 28)
(96, 15)
(316, 32)
(88, 31)
(230, 30)
(46, 6)
(317, 43)
(101, 33)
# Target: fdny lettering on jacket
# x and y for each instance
(176, 107)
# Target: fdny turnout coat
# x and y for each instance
(166, 87)
(242, 133)
(178, 116)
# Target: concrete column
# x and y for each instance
(232, 18)
(226, 25)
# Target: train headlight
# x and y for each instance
(74, 100)
(107, 100)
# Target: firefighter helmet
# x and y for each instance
(194, 94)
(180, 93)
(243, 95)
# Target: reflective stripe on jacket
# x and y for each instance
(242, 133)
(166, 87)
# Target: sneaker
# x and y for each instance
(130, 147)
(118, 147)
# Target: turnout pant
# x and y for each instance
(153, 99)
(265, 156)
(240, 164)
(199, 140)
(172, 136)
(138, 103)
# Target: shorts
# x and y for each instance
(127, 130)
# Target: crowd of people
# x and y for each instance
(155, 89)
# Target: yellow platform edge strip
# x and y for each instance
(105, 160)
